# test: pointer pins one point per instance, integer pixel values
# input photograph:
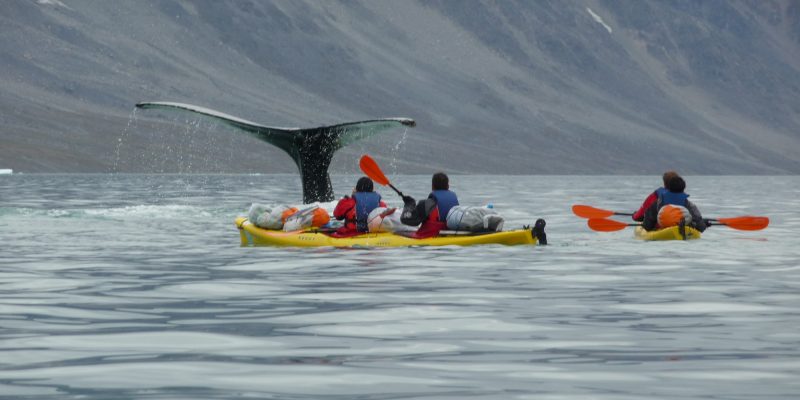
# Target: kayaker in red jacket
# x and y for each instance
(431, 212)
(651, 199)
(354, 209)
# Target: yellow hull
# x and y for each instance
(671, 233)
(252, 235)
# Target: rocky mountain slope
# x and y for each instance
(517, 87)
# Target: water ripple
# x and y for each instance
(136, 287)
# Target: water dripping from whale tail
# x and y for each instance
(311, 149)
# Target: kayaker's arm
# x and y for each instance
(343, 207)
(423, 210)
(415, 213)
(410, 216)
(639, 214)
(650, 219)
(697, 219)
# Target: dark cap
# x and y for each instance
(676, 184)
(667, 176)
(364, 184)
(440, 181)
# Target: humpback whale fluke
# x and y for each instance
(311, 148)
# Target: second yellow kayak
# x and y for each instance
(671, 233)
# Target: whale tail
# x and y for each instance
(311, 148)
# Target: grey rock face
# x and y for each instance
(545, 87)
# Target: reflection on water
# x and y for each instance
(134, 286)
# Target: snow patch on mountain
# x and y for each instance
(52, 3)
(599, 20)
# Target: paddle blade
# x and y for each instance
(590, 212)
(746, 223)
(372, 170)
(606, 225)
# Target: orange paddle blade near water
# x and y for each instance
(745, 223)
(606, 225)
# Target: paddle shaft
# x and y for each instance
(709, 224)
(395, 189)
(709, 221)
(631, 214)
(716, 223)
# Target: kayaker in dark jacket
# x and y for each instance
(655, 216)
(431, 212)
(354, 209)
(639, 215)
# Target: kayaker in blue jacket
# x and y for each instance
(354, 209)
(431, 212)
(672, 207)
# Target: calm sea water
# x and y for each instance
(135, 287)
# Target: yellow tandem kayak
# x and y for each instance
(671, 233)
(252, 235)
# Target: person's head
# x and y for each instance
(440, 181)
(668, 175)
(364, 184)
(676, 184)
